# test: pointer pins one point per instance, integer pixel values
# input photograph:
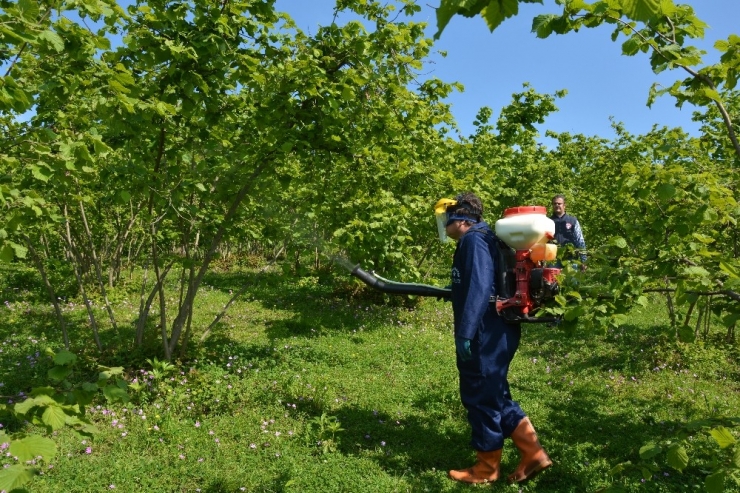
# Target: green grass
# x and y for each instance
(243, 413)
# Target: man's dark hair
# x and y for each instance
(468, 204)
(559, 196)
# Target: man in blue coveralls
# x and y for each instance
(485, 346)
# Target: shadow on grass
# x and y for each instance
(629, 350)
(310, 307)
(592, 423)
(318, 308)
(414, 447)
(583, 432)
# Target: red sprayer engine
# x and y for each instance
(525, 283)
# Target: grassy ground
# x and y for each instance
(299, 389)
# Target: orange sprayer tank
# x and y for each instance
(528, 228)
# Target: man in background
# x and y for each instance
(567, 229)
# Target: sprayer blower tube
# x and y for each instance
(392, 287)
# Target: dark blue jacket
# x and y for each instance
(473, 280)
(568, 232)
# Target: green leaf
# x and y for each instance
(59, 373)
(83, 397)
(15, 476)
(640, 10)
(39, 391)
(18, 36)
(631, 46)
(64, 357)
(109, 372)
(118, 87)
(54, 40)
(731, 319)
(32, 446)
(54, 417)
(82, 426)
(25, 406)
(90, 387)
(677, 457)
(36, 172)
(729, 269)
(86, 428)
(650, 450)
(696, 271)
(618, 242)
(722, 436)
(348, 94)
(686, 334)
(19, 250)
(124, 196)
(575, 295)
(6, 253)
(709, 215)
(499, 10)
(574, 313)
(620, 468)
(28, 9)
(115, 394)
(124, 78)
(617, 320)
(703, 238)
(709, 93)
(666, 191)
(715, 483)
(30, 403)
(542, 25)
(667, 7)
(448, 8)
(287, 147)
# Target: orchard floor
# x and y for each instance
(300, 389)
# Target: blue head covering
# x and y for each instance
(460, 217)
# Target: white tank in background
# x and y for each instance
(528, 228)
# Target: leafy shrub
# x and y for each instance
(52, 407)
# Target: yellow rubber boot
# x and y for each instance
(486, 470)
(534, 458)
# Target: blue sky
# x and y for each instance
(601, 83)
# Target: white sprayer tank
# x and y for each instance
(528, 228)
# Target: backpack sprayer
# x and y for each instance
(523, 282)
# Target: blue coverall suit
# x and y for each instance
(484, 388)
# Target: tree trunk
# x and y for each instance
(98, 269)
(145, 306)
(178, 324)
(81, 284)
(49, 289)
